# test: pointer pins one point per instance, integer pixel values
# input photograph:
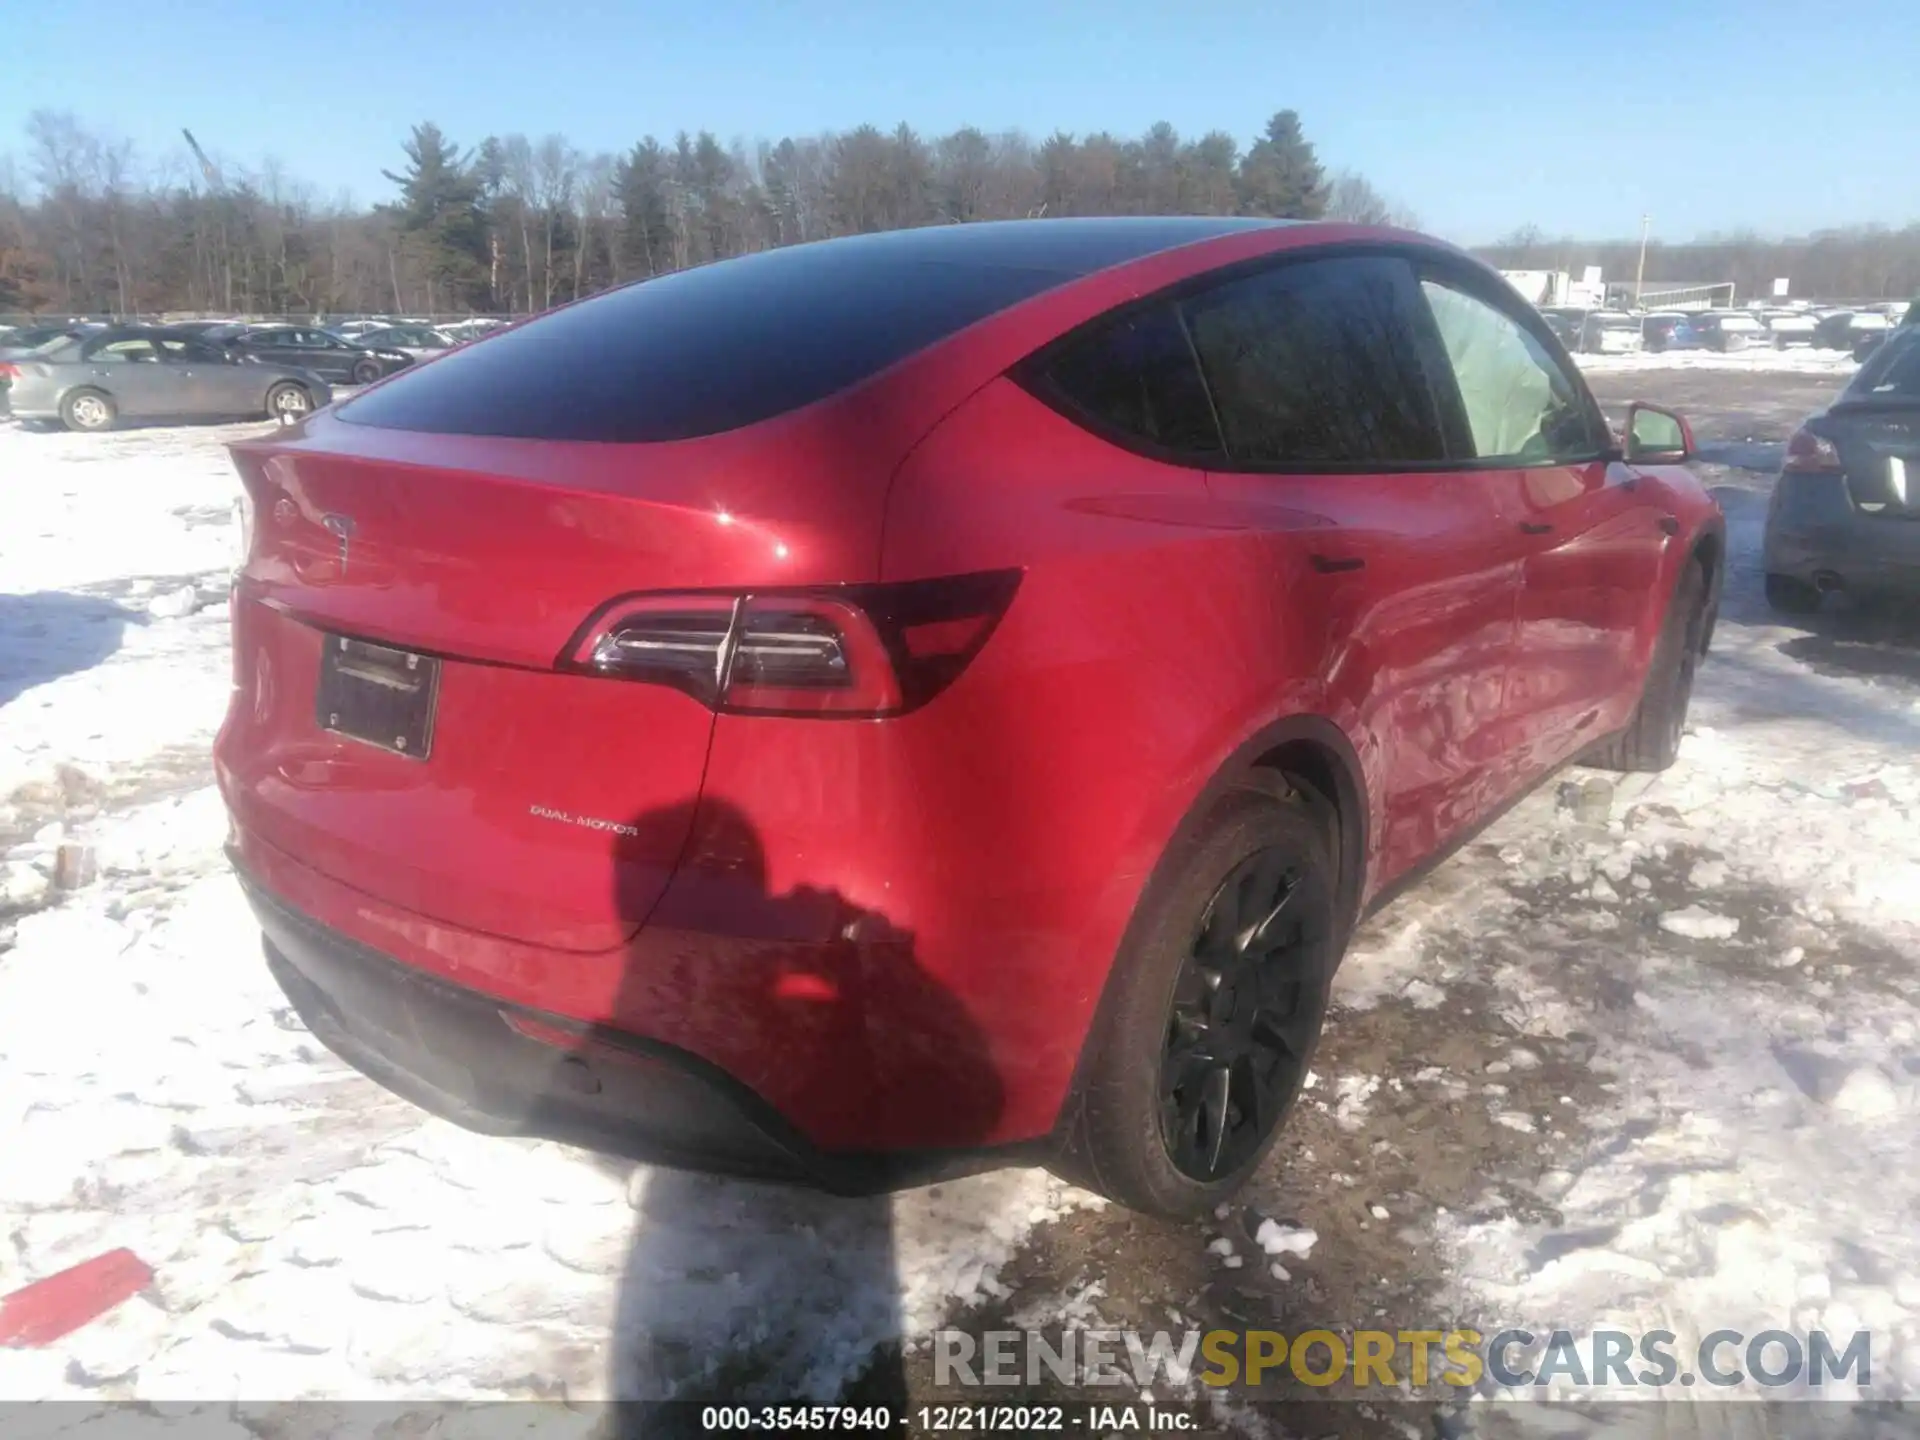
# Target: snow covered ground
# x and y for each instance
(1726, 955)
(1801, 360)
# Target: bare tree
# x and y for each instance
(1351, 197)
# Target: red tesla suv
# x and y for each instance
(936, 698)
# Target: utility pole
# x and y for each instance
(1640, 275)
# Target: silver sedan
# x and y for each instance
(130, 372)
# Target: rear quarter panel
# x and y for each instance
(1029, 803)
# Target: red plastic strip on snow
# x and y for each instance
(44, 1311)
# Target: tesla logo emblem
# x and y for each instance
(341, 528)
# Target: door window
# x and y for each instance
(189, 352)
(1315, 364)
(119, 352)
(1520, 406)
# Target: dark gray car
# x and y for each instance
(138, 372)
(1845, 514)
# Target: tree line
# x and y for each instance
(512, 224)
(515, 224)
(1868, 262)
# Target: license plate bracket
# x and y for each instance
(378, 695)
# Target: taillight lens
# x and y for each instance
(680, 641)
(9, 372)
(858, 650)
(1808, 453)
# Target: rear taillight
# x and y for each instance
(8, 372)
(857, 650)
(1808, 453)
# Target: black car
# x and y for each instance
(1844, 511)
(310, 348)
(1566, 329)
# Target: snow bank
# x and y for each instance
(1758, 360)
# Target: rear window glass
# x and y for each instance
(1892, 372)
(1315, 363)
(714, 348)
(1137, 375)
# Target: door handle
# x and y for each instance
(1332, 565)
(1669, 524)
(1535, 527)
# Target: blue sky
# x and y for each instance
(1482, 115)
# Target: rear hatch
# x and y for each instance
(1879, 449)
(711, 430)
(401, 722)
(1875, 425)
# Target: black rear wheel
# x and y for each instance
(1651, 741)
(1212, 1011)
(1244, 1014)
(365, 372)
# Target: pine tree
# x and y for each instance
(439, 214)
(646, 208)
(1280, 176)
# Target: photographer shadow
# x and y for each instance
(748, 1287)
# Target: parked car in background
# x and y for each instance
(1845, 513)
(1788, 327)
(1564, 325)
(202, 327)
(419, 341)
(1844, 329)
(1726, 330)
(307, 347)
(472, 329)
(1610, 332)
(127, 372)
(1257, 572)
(1669, 332)
(26, 338)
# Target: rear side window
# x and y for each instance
(1136, 375)
(1315, 363)
(1892, 372)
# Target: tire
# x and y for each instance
(1197, 1025)
(365, 372)
(289, 401)
(1790, 596)
(1651, 741)
(88, 410)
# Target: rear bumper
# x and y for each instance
(1815, 533)
(470, 1058)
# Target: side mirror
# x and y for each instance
(1657, 436)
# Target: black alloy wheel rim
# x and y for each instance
(1246, 1010)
